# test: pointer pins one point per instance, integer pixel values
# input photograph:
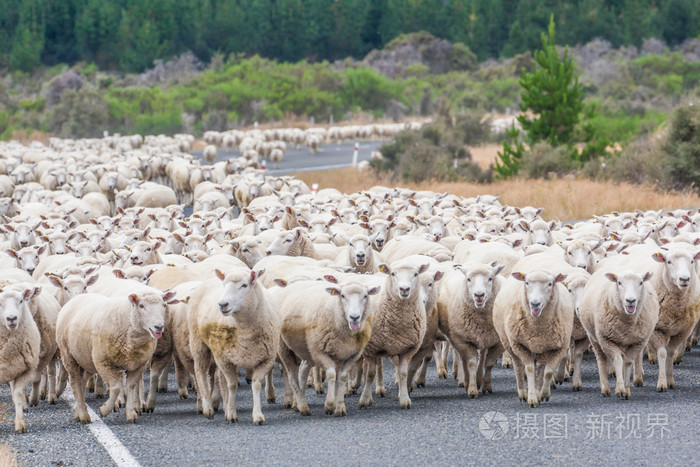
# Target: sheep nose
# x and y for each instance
(379, 242)
(541, 242)
(158, 328)
(23, 244)
(404, 291)
(630, 301)
(684, 281)
(479, 296)
(30, 271)
(11, 320)
(583, 266)
(268, 253)
(223, 306)
(535, 305)
(355, 317)
(262, 229)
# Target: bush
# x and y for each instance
(79, 114)
(462, 58)
(682, 148)
(543, 160)
(639, 162)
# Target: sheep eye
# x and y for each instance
(490, 279)
(571, 254)
(342, 296)
(244, 286)
(589, 252)
(549, 285)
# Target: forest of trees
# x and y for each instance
(129, 34)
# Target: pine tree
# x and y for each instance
(552, 93)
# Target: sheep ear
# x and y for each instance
(303, 223)
(438, 275)
(12, 253)
(518, 275)
(384, 268)
(219, 274)
(330, 278)
(31, 292)
(280, 282)
(168, 298)
(333, 291)
(41, 249)
(347, 239)
(560, 278)
(92, 280)
(612, 277)
(254, 275)
(423, 268)
(658, 257)
(498, 268)
(647, 276)
(55, 280)
(374, 290)
(133, 298)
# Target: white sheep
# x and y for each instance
(108, 336)
(533, 316)
(19, 348)
(619, 311)
(331, 334)
(235, 323)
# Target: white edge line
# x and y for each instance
(116, 450)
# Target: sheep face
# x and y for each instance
(82, 249)
(150, 311)
(427, 288)
(669, 229)
(680, 267)
(538, 289)
(575, 288)
(403, 279)
(629, 289)
(248, 251)
(237, 284)
(541, 233)
(12, 306)
(480, 280)
(580, 254)
(141, 252)
(22, 234)
(27, 258)
(57, 243)
(72, 286)
(97, 239)
(282, 244)
(354, 301)
(529, 213)
(359, 249)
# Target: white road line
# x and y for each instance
(116, 450)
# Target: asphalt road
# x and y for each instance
(331, 156)
(443, 427)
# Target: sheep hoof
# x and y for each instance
(638, 384)
(442, 374)
(163, 390)
(363, 404)
(259, 420)
(209, 413)
(661, 388)
(184, 395)
(381, 392)
(460, 384)
(473, 393)
(671, 385)
(20, 426)
(99, 396)
(320, 390)
(233, 418)
(420, 384)
(605, 392)
(104, 411)
(248, 380)
(532, 402)
(621, 393)
(576, 387)
(53, 400)
(271, 400)
(33, 403)
(340, 410)
(305, 411)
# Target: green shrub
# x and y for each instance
(639, 162)
(544, 160)
(462, 58)
(682, 148)
(80, 113)
(158, 123)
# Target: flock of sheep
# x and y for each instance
(256, 145)
(102, 277)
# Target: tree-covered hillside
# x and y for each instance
(129, 34)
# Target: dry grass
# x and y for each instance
(26, 137)
(485, 155)
(564, 199)
(8, 457)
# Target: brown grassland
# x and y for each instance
(8, 458)
(563, 199)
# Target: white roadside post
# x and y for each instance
(314, 188)
(354, 154)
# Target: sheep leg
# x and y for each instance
(163, 378)
(269, 388)
(404, 399)
(532, 398)
(78, 378)
(619, 364)
(291, 373)
(491, 356)
(215, 388)
(157, 366)
(507, 360)
(577, 356)
(380, 390)
(132, 381)
(370, 369)
(202, 364)
(331, 396)
(661, 356)
(422, 372)
(628, 374)
(62, 379)
(442, 352)
(561, 373)
(113, 377)
(305, 368)
(675, 347)
(318, 379)
(602, 362)
(455, 364)
(100, 389)
(359, 371)
(519, 369)
(638, 368)
(230, 377)
(51, 381)
(395, 362)
(469, 364)
(43, 382)
(340, 383)
(258, 376)
(480, 367)
(18, 399)
(182, 377)
(36, 382)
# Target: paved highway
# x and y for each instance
(443, 427)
